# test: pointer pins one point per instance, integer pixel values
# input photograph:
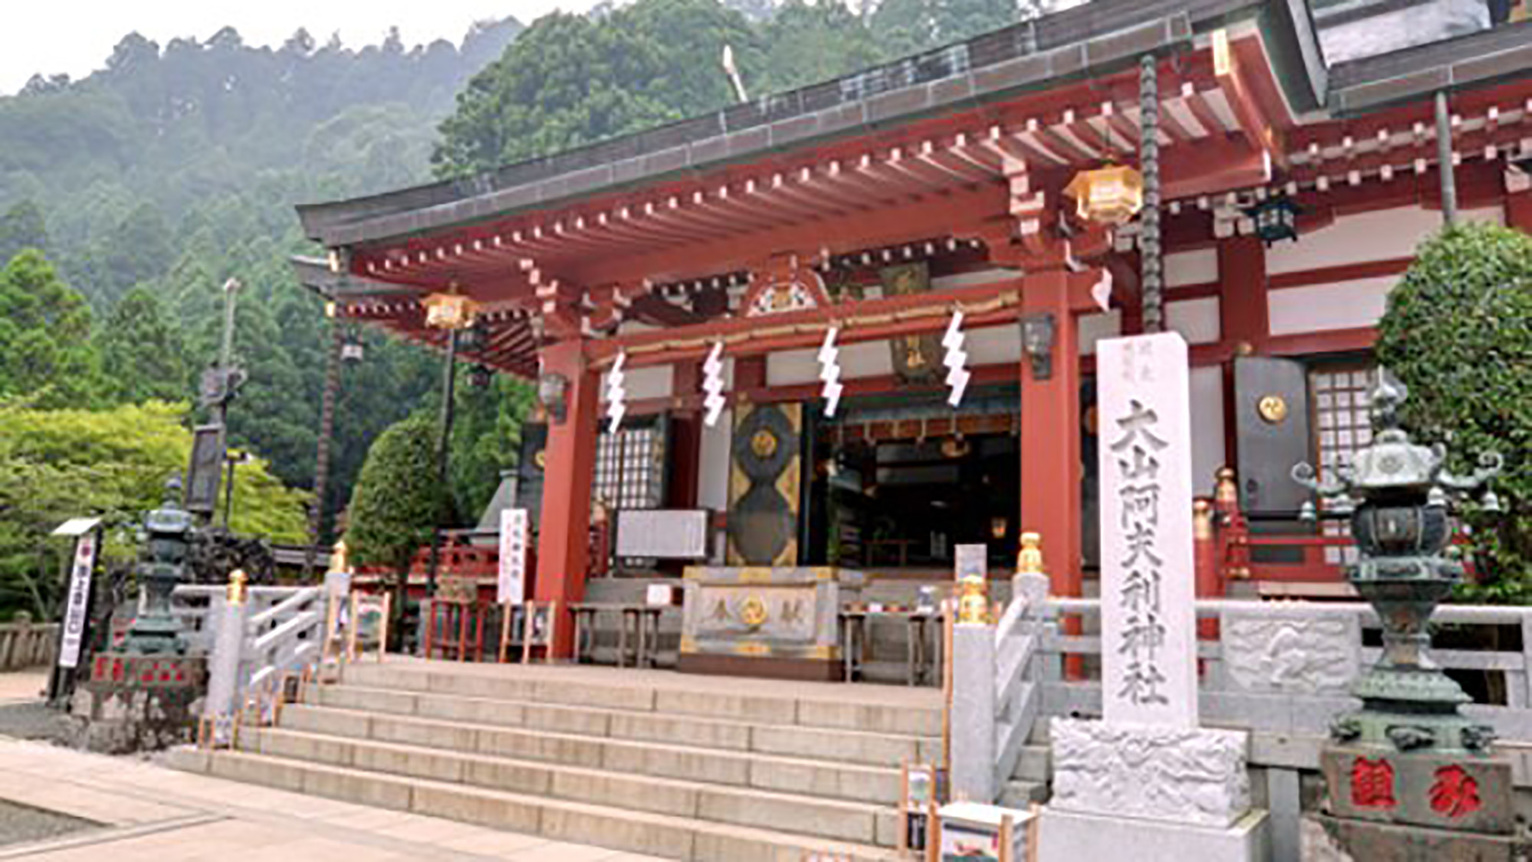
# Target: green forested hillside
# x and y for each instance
(146, 185)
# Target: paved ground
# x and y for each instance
(146, 813)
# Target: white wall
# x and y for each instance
(1196, 319)
(650, 381)
(1339, 305)
(713, 464)
(1377, 235)
(1199, 266)
(1206, 386)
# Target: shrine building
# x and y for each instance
(935, 246)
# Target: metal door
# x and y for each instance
(1271, 421)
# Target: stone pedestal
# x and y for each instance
(138, 703)
(1071, 836)
(1195, 776)
(1384, 804)
(1149, 793)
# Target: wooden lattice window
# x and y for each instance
(1339, 396)
(630, 467)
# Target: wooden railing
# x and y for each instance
(26, 645)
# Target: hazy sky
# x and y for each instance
(76, 36)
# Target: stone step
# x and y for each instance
(1021, 794)
(853, 746)
(675, 759)
(645, 832)
(826, 706)
(1033, 764)
(757, 804)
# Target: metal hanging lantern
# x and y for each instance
(1276, 219)
(351, 348)
(1112, 194)
(450, 310)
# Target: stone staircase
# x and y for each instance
(694, 768)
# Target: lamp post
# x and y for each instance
(1398, 495)
(453, 313)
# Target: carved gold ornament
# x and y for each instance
(1273, 408)
(763, 444)
(753, 612)
(541, 459)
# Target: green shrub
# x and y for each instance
(1458, 332)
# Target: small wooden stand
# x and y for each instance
(539, 624)
(365, 606)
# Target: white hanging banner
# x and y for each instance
(511, 586)
(712, 384)
(78, 601)
(956, 360)
(616, 396)
(829, 372)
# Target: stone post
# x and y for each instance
(228, 614)
(973, 712)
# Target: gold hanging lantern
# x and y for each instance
(450, 310)
(1112, 194)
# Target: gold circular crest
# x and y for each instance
(764, 443)
(1273, 408)
(753, 612)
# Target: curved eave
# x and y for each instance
(1094, 39)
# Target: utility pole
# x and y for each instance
(1444, 161)
(226, 389)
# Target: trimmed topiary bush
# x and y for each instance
(1458, 332)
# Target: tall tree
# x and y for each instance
(45, 349)
(22, 226)
(142, 354)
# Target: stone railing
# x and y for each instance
(252, 644)
(1281, 670)
(25, 644)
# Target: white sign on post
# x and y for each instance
(79, 600)
(1148, 615)
(511, 588)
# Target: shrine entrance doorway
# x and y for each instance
(900, 480)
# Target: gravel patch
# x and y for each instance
(21, 823)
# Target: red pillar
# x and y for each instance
(1244, 318)
(1050, 436)
(1518, 211)
(563, 542)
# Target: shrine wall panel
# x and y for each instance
(1206, 384)
(1339, 305)
(862, 359)
(1363, 237)
(1196, 319)
(654, 381)
(1094, 327)
(713, 466)
(993, 345)
(964, 279)
(1184, 268)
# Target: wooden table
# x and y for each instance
(922, 653)
(638, 632)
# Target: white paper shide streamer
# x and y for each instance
(616, 396)
(829, 372)
(712, 384)
(956, 360)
